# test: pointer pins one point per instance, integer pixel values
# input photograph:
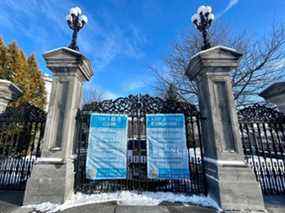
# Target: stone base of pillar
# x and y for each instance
(47, 182)
(233, 185)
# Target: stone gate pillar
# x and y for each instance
(52, 177)
(8, 92)
(230, 182)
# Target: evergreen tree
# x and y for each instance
(15, 67)
(10, 61)
(6, 71)
(21, 76)
(171, 93)
(2, 59)
(38, 93)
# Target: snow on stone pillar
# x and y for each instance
(275, 94)
(52, 177)
(8, 92)
(230, 182)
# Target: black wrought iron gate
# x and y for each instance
(263, 139)
(21, 132)
(136, 107)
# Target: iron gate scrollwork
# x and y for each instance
(136, 107)
(263, 140)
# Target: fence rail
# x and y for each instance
(136, 107)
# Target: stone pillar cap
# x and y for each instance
(64, 59)
(274, 89)
(9, 90)
(215, 57)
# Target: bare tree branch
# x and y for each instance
(262, 63)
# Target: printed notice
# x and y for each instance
(107, 147)
(167, 154)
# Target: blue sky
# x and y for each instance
(123, 38)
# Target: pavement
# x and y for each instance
(275, 203)
(103, 208)
(114, 208)
(11, 201)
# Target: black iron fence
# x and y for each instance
(136, 107)
(21, 132)
(263, 139)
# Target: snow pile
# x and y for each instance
(44, 207)
(127, 198)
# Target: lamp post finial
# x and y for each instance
(76, 21)
(202, 21)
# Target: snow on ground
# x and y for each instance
(126, 198)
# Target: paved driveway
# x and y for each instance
(10, 200)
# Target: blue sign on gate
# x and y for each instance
(107, 147)
(167, 154)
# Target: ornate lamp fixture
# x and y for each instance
(202, 21)
(76, 21)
